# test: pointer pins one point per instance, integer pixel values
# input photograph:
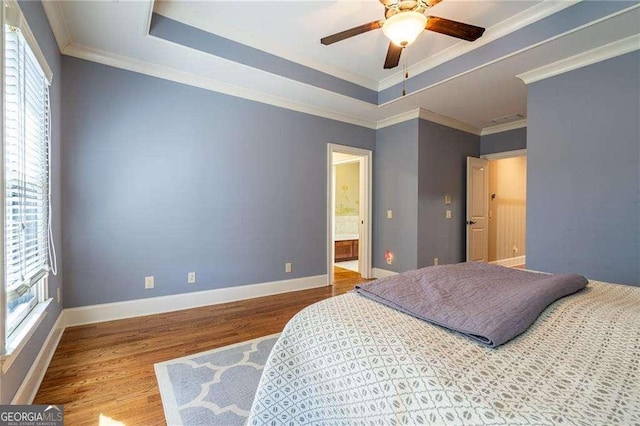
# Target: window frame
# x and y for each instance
(12, 342)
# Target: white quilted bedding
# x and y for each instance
(349, 360)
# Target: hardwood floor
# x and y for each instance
(106, 369)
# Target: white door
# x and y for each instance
(477, 209)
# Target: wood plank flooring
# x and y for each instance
(106, 369)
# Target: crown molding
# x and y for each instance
(147, 26)
(231, 33)
(55, 15)
(590, 57)
(171, 74)
(501, 29)
(517, 52)
(504, 127)
(448, 121)
(397, 119)
(429, 116)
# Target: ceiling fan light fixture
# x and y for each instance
(403, 28)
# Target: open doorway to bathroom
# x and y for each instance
(348, 213)
(507, 209)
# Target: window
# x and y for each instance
(26, 174)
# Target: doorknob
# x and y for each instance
(470, 222)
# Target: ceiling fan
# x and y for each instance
(404, 21)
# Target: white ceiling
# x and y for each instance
(116, 33)
(293, 29)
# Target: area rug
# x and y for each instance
(214, 387)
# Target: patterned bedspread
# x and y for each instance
(349, 360)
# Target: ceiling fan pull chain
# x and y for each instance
(406, 74)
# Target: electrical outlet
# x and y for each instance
(191, 278)
(389, 214)
(287, 267)
(58, 295)
(447, 214)
(148, 282)
(435, 261)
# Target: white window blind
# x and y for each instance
(26, 174)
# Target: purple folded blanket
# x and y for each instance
(488, 303)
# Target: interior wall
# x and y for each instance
(511, 140)
(37, 20)
(162, 179)
(507, 210)
(395, 183)
(346, 192)
(347, 189)
(416, 164)
(443, 153)
(583, 148)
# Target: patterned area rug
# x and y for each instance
(214, 387)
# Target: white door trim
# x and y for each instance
(505, 154)
(519, 260)
(366, 207)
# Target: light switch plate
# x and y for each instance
(389, 214)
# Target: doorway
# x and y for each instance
(507, 210)
(496, 208)
(348, 213)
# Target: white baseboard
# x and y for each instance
(512, 261)
(31, 383)
(176, 302)
(382, 273)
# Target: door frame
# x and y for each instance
(366, 206)
(505, 154)
(499, 156)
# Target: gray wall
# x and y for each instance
(415, 164)
(395, 188)
(443, 153)
(511, 140)
(11, 381)
(583, 140)
(162, 179)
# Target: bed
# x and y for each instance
(351, 360)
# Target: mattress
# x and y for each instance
(349, 360)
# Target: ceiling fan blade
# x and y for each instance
(453, 28)
(393, 56)
(351, 32)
